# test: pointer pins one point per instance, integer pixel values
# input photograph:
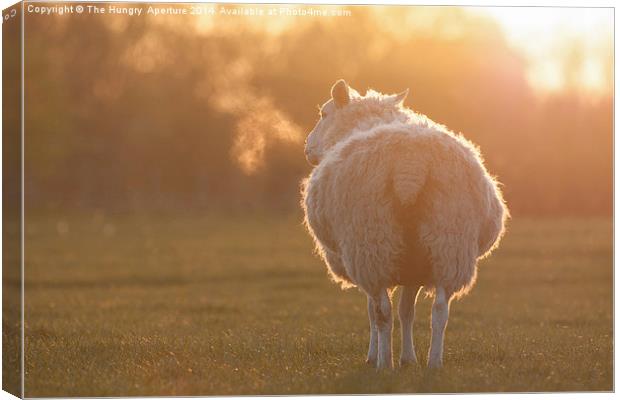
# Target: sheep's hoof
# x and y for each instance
(432, 364)
(384, 367)
(406, 362)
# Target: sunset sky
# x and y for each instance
(550, 36)
(565, 48)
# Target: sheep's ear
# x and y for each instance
(400, 97)
(340, 93)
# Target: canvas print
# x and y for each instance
(206, 199)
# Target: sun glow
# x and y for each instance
(566, 48)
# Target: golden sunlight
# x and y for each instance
(566, 48)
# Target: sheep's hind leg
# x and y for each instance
(439, 321)
(372, 346)
(383, 314)
(406, 313)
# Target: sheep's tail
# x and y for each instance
(411, 167)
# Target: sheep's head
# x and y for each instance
(347, 111)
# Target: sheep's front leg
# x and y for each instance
(383, 314)
(372, 346)
(439, 320)
(406, 313)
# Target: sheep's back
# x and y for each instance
(353, 211)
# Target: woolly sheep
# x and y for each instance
(396, 199)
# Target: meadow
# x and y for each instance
(234, 305)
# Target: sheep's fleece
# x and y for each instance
(391, 182)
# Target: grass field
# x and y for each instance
(214, 305)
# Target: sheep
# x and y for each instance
(396, 199)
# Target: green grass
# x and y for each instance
(213, 306)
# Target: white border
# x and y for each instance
(547, 3)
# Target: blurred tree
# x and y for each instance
(151, 113)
